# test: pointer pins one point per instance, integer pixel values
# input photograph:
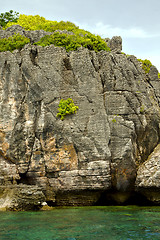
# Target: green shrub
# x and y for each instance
(66, 107)
(14, 42)
(114, 120)
(73, 42)
(8, 17)
(70, 42)
(146, 65)
(31, 23)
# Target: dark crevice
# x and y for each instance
(113, 59)
(76, 149)
(51, 174)
(51, 203)
(67, 63)
(20, 65)
(106, 199)
(6, 74)
(36, 134)
(7, 66)
(102, 81)
(138, 199)
(33, 54)
(24, 179)
(93, 62)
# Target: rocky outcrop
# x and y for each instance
(34, 36)
(21, 197)
(148, 176)
(115, 44)
(101, 151)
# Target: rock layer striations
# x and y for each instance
(108, 149)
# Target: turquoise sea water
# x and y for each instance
(126, 223)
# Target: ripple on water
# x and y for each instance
(117, 223)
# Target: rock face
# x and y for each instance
(115, 44)
(21, 197)
(102, 150)
(148, 177)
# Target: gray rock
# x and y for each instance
(34, 36)
(115, 44)
(11, 31)
(98, 149)
(148, 175)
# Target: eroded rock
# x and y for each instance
(21, 197)
(148, 175)
(90, 153)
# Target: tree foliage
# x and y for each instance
(31, 23)
(7, 17)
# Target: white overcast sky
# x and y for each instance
(136, 21)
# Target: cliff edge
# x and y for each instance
(107, 152)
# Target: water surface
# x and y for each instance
(119, 223)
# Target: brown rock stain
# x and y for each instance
(2, 137)
(60, 159)
(5, 147)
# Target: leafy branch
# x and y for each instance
(8, 17)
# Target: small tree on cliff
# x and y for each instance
(8, 17)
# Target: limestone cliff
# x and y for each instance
(109, 149)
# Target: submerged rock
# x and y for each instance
(93, 153)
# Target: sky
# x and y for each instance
(136, 21)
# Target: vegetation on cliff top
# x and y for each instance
(70, 41)
(14, 42)
(73, 42)
(8, 17)
(146, 66)
(32, 23)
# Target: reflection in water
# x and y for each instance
(126, 223)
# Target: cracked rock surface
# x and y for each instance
(101, 149)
